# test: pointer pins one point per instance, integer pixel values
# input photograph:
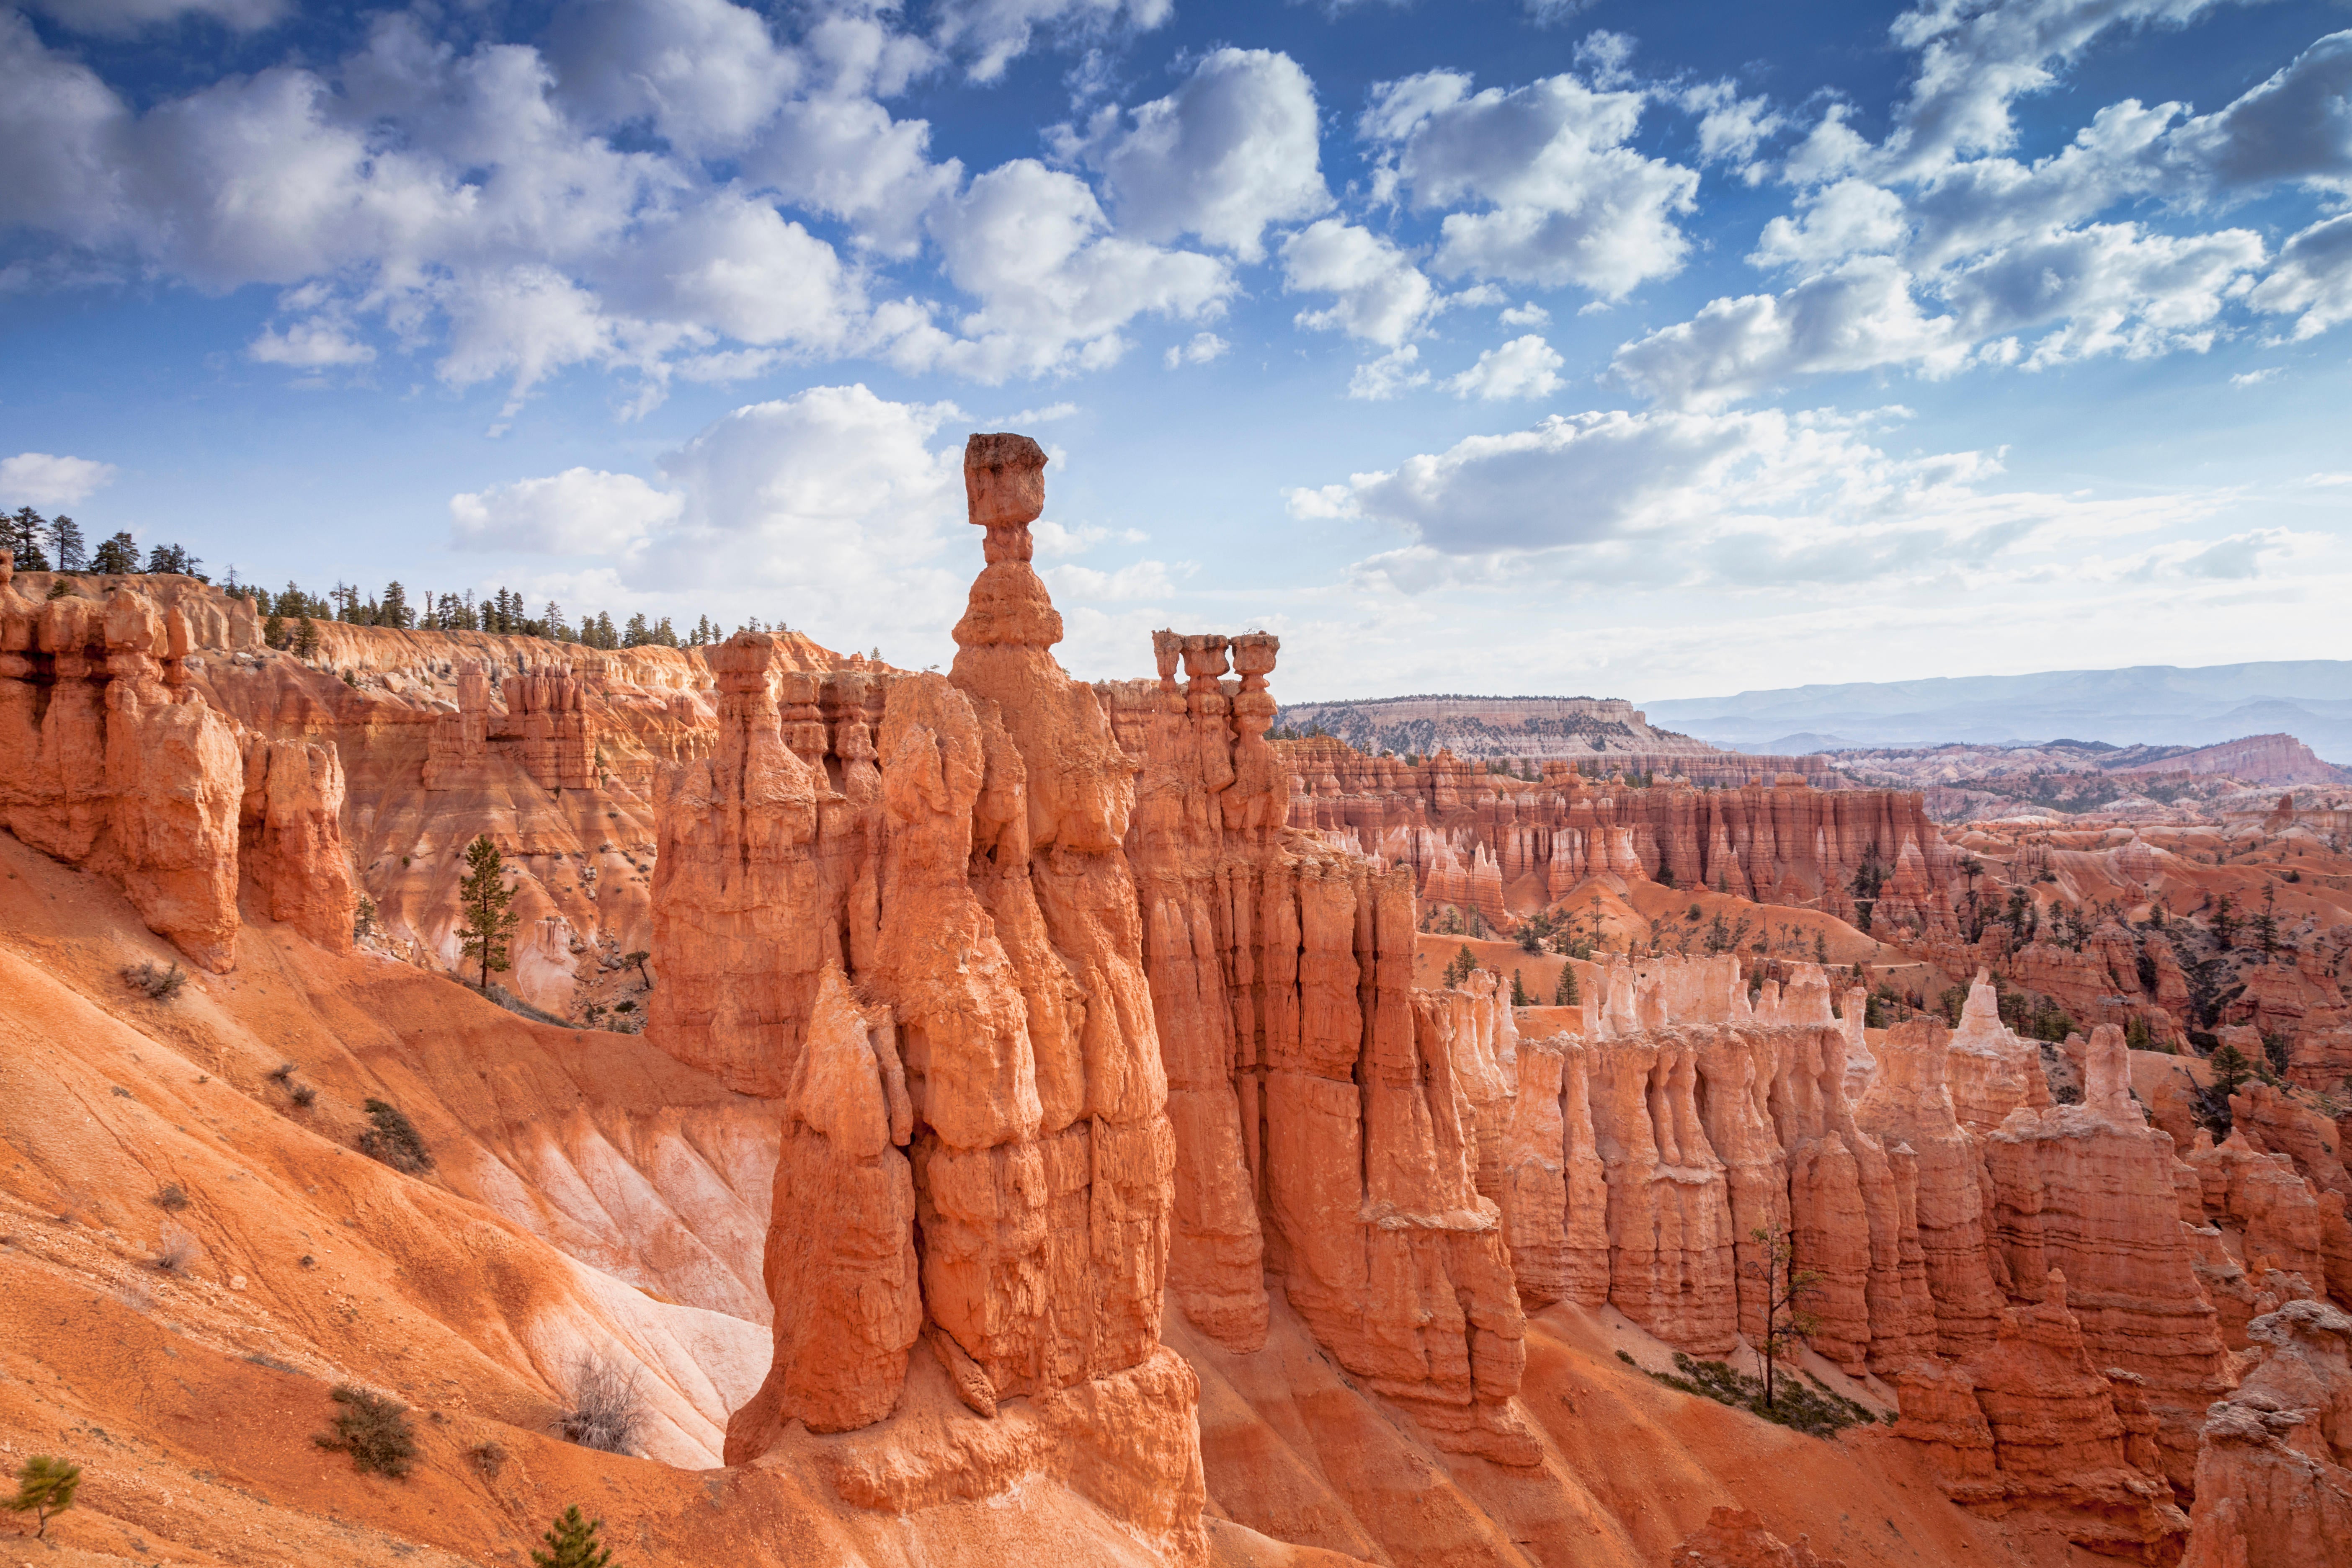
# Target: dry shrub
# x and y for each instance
(607, 1406)
(162, 984)
(372, 1429)
(488, 1459)
(171, 1197)
(394, 1139)
(176, 1251)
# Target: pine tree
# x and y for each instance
(23, 534)
(66, 545)
(571, 1543)
(394, 611)
(117, 556)
(174, 561)
(273, 630)
(1519, 997)
(1786, 1289)
(2231, 1071)
(1565, 993)
(45, 1487)
(486, 923)
(637, 634)
(305, 640)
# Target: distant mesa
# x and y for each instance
(1601, 735)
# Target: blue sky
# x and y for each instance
(1499, 345)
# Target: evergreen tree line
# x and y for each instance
(55, 544)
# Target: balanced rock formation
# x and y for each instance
(928, 943)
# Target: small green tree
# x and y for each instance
(636, 958)
(2231, 1071)
(571, 1543)
(485, 921)
(117, 556)
(1519, 997)
(1786, 1289)
(1464, 966)
(305, 641)
(45, 1487)
(1565, 995)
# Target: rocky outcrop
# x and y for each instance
(928, 942)
(113, 756)
(2272, 1484)
(1735, 1538)
(2088, 1189)
(1337, 1133)
(291, 838)
(1993, 1071)
(1508, 846)
(2030, 1421)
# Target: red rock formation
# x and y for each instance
(1734, 1538)
(948, 961)
(2088, 1189)
(1333, 1127)
(290, 839)
(2030, 1421)
(1508, 847)
(1993, 1071)
(2272, 1486)
(113, 756)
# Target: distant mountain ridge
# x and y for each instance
(2161, 705)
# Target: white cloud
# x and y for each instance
(1565, 200)
(1046, 415)
(2255, 377)
(45, 478)
(1977, 61)
(1530, 314)
(835, 499)
(1382, 296)
(1230, 151)
(1848, 218)
(2297, 125)
(579, 512)
(1743, 498)
(1376, 381)
(1731, 127)
(2113, 288)
(706, 74)
(2312, 280)
(847, 157)
(118, 18)
(1055, 286)
(1202, 348)
(1142, 580)
(319, 344)
(1524, 367)
(1858, 317)
(990, 34)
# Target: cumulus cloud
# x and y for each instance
(579, 512)
(1055, 285)
(1745, 497)
(1232, 151)
(315, 344)
(1524, 367)
(46, 479)
(1565, 201)
(118, 18)
(1381, 296)
(1201, 349)
(990, 33)
(1858, 317)
(1390, 375)
(2313, 279)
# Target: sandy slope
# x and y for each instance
(591, 1193)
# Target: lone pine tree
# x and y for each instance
(45, 1487)
(486, 923)
(571, 1543)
